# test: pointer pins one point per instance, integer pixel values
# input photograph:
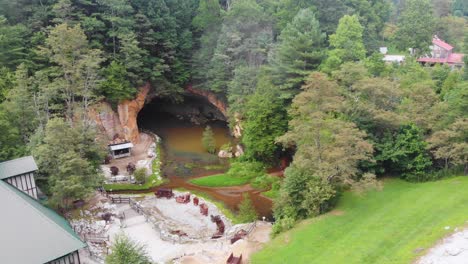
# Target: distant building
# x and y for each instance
(389, 59)
(442, 53)
(20, 173)
(32, 233)
(398, 59)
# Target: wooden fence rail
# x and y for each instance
(120, 199)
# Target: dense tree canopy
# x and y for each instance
(415, 26)
(303, 78)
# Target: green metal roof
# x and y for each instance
(30, 232)
(17, 167)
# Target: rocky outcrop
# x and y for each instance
(211, 97)
(221, 106)
(106, 120)
(123, 123)
(237, 128)
(128, 112)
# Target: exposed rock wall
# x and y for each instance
(211, 97)
(123, 122)
(222, 107)
(106, 119)
(128, 112)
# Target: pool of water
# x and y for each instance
(184, 157)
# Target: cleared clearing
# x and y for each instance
(395, 225)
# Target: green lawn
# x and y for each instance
(272, 194)
(220, 180)
(387, 226)
(151, 182)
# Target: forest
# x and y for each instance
(305, 77)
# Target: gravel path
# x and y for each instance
(452, 250)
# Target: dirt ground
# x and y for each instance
(139, 152)
(183, 217)
(170, 215)
(247, 246)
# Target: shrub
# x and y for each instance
(283, 224)
(125, 250)
(405, 153)
(131, 168)
(264, 182)
(247, 169)
(247, 211)
(140, 175)
(114, 170)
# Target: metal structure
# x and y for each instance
(185, 198)
(164, 193)
(121, 150)
(234, 260)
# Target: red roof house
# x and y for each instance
(441, 52)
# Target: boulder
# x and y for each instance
(239, 151)
(224, 154)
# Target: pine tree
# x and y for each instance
(415, 26)
(247, 211)
(299, 52)
(208, 140)
(125, 250)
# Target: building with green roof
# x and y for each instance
(31, 233)
(20, 173)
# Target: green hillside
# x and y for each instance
(393, 225)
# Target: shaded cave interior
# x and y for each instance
(180, 125)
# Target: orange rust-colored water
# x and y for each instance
(184, 158)
(188, 138)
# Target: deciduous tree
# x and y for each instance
(326, 146)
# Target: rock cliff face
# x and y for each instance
(128, 112)
(211, 97)
(221, 105)
(123, 123)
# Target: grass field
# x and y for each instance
(220, 180)
(394, 225)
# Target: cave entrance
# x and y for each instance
(180, 126)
